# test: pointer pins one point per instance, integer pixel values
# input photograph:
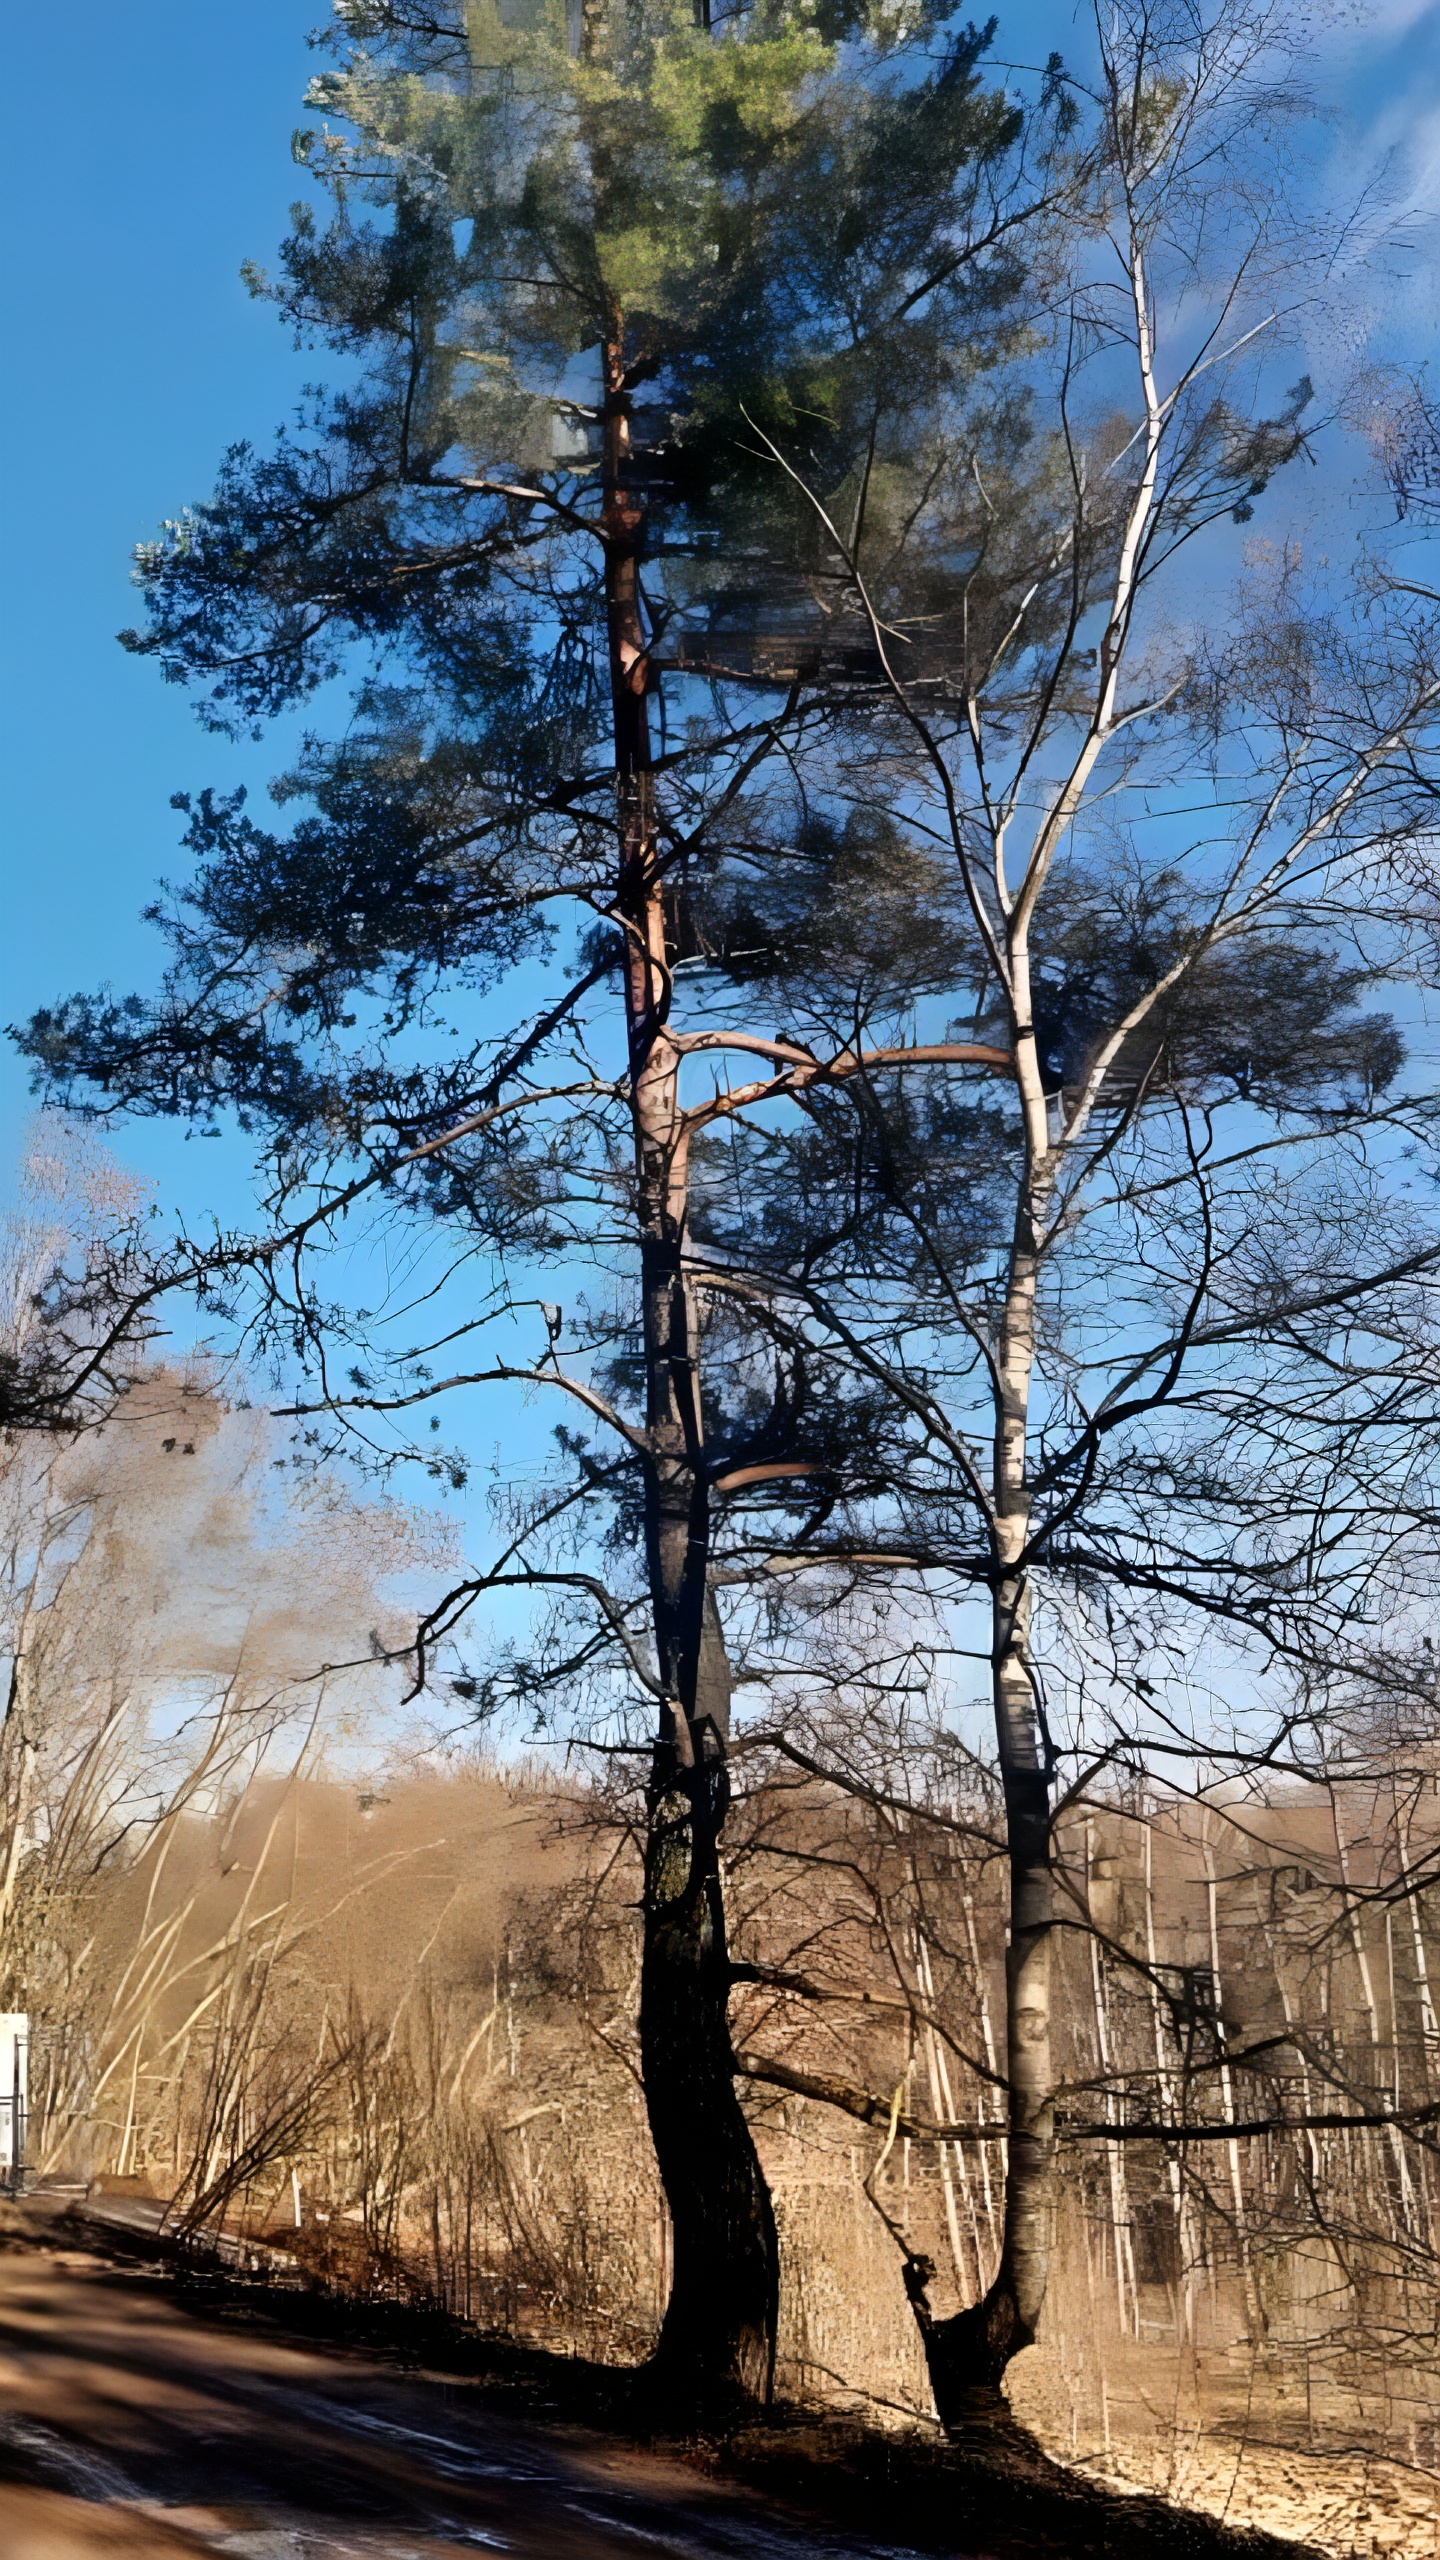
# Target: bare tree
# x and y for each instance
(1145, 1342)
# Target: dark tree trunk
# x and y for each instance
(717, 2342)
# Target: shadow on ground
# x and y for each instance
(152, 2404)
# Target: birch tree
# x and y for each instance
(1140, 1303)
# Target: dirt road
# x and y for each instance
(129, 2425)
(147, 2406)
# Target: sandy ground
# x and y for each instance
(1352, 2506)
(1350, 2503)
(130, 2426)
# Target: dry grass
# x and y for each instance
(390, 2026)
(408, 2009)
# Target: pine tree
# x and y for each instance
(584, 275)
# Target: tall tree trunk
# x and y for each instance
(967, 2354)
(717, 2341)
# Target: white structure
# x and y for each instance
(14, 2087)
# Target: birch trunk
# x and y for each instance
(1254, 2308)
(968, 2353)
(1169, 2087)
(1126, 2289)
(1429, 2026)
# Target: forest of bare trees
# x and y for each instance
(862, 937)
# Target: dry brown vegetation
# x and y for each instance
(369, 2005)
(391, 2037)
(1243, 2320)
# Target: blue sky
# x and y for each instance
(146, 151)
(145, 154)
